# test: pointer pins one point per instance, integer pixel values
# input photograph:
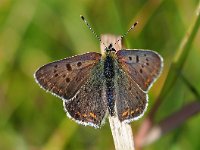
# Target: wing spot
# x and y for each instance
(147, 64)
(84, 115)
(93, 115)
(147, 59)
(130, 58)
(141, 71)
(137, 97)
(69, 68)
(56, 75)
(76, 98)
(137, 110)
(142, 66)
(67, 80)
(79, 64)
(77, 78)
(132, 112)
(125, 114)
(147, 82)
(137, 58)
(77, 114)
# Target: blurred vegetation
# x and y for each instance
(33, 33)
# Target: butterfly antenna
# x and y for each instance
(88, 25)
(132, 27)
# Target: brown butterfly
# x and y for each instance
(94, 85)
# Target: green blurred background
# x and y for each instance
(36, 32)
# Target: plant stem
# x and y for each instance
(122, 132)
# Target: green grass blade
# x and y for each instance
(179, 59)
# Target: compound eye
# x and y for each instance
(113, 50)
(110, 46)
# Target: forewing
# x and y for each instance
(88, 106)
(64, 77)
(143, 66)
(131, 101)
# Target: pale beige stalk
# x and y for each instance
(121, 132)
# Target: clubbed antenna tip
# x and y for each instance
(132, 27)
(92, 30)
(82, 17)
(135, 23)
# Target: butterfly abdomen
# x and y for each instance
(109, 74)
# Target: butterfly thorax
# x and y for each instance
(109, 74)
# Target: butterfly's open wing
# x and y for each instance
(143, 66)
(88, 106)
(78, 81)
(64, 77)
(131, 101)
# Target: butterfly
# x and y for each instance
(93, 85)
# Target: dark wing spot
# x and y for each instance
(137, 97)
(137, 59)
(142, 66)
(79, 64)
(69, 68)
(77, 96)
(67, 80)
(130, 58)
(147, 59)
(141, 71)
(56, 75)
(77, 115)
(147, 64)
(77, 78)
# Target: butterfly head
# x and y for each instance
(110, 48)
